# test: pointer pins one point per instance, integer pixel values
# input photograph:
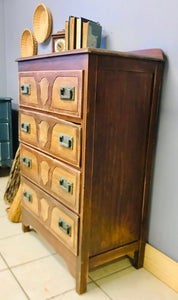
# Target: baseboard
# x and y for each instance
(161, 266)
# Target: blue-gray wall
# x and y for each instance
(2, 52)
(129, 25)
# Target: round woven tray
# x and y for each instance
(42, 23)
(28, 43)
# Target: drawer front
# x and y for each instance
(60, 180)
(56, 137)
(4, 131)
(55, 91)
(60, 221)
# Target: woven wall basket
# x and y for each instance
(28, 43)
(42, 23)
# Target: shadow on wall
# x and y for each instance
(15, 131)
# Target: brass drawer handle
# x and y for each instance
(27, 161)
(67, 92)
(27, 196)
(64, 226)
(25, 127)
(66, 185)
(25, 89)
(66, 140)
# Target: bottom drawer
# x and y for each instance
(60, 221)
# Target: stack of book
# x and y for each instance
(82, 33)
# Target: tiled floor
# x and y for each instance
(30, 269)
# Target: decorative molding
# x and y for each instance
(44, 85)
(161, 266)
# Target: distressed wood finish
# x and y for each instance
(113, 123)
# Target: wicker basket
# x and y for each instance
(28, 43)
(42, 23)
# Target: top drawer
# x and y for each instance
(55, 91)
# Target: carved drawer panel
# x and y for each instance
(60, 180)
(60, 221)
(56, 137)
(52, 91)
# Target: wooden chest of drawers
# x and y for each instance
(87, 131)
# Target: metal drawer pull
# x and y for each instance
(27, 196)
(25, 127)
(66, 140)
(66, 185)
(67, 92)
(64, 226)
(27, 161)
(25, 89)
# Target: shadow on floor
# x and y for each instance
(4, 171)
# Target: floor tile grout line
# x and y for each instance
(19, 284)
(63, 293)
(9, 236)
(30, 261)
(9, 269)
(7, 266)
(5, 269)
(101, 288)
(105, 276)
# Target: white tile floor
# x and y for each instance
(30, 269)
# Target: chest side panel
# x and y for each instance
(121, 131)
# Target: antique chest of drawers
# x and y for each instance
(87, 122)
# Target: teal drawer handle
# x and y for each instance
(64, 226)
(66, 185)
(25, 89)
(27, 161)
(67, 93)
(27, 196)
(25, 127)
(66, 140)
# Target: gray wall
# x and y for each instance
(128, 25)
(2, 52)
